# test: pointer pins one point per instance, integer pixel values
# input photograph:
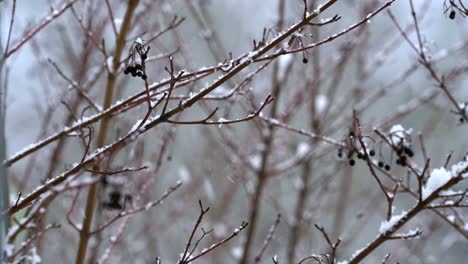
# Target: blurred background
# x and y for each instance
(371, 70)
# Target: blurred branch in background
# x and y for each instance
(4, 191)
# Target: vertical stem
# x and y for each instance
(268, 142)
(101, 140)
(3, 180)
(294, 237)
(303, 195)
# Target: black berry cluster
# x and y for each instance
(381, 164)
(403, 152)
(401, 145)
(462, 113)
(136, 70)
(114, 202)
(352, 150)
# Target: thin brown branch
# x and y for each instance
(268, 239)
(220, 122)
(41, 26)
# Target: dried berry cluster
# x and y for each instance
(360, 155)
(381, 164)
(462, 113)
(136, 70)
(352, 150)
(402, 149)
(116, 201)
(401, 145)
(403, 152)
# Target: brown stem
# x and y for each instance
(111, 79)
(268, 141)
(406, 218)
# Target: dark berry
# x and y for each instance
(409, 152)
(387, 167)
(461, 120)
(129, 69)
(340, 154)
(144, 56)
(138, 66)
(144, 77)
(399, 151)
(359, 156)
(134, 74)
(452, 14)
(305, 60)
(104, 181)
(139, 73)
(352, 162)
(115, 196)
(372, 153)
(381, 164)
(406, 150)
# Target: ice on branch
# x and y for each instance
(221, 121)
(399, 134)
(437, 178)
(387, 225)
(441, 176)
(410, 234)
